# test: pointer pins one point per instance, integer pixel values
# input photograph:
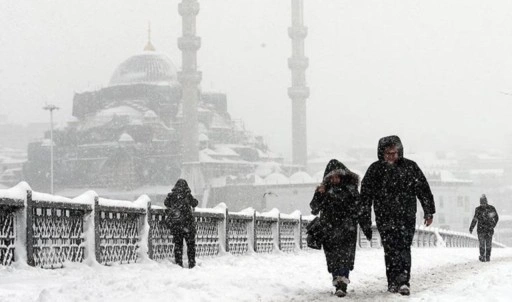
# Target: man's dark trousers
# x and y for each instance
(190, 239)
(485, 239)
(397, 255)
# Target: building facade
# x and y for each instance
(131, 134)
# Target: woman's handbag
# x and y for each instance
(315, 234)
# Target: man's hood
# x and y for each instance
(388, 141)
(483, 199)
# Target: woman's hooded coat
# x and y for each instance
(339, 210)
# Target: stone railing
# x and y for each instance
(47, 231)
(428, 237)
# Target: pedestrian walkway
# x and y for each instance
(438, 274)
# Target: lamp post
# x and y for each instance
(51, 108)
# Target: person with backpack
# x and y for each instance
(337, 201)
(180, 204)
(487, 217)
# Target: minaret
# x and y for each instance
(298, 92)
(190, 78)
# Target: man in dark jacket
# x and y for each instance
(185, 228)
(392, 185)
(487, 218)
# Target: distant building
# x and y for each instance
(17, 136)
(11, 164)
(129, 135)
(453, 198)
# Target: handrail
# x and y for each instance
(56, 231)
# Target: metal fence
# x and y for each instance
(55, 231)
(8, 208)
(428, 237)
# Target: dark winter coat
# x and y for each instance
(487, 217)
(339, 210)
(393, 189)
(181, 193)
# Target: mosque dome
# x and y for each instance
(149, 67)
(301, 177)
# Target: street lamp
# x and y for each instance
(51, 108)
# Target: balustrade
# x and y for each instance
(160, 237)
(7, 234)
(207, 236)
(59, 230)
(288, 234)
(239, 234)
(264, 235)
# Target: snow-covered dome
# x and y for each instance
(125, 138)
(147, 67)
(276, 179)
(301, 177)
(150, 114)
(267, 168)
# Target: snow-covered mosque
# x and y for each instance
(153, 124)
(129, 134)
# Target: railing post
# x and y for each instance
(252, 233)
(226, 230)
(149, 215)
(300, 232)
(30, 229)
(97, 250)
(276, 230)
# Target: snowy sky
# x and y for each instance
(433, 72)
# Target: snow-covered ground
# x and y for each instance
(438, 274)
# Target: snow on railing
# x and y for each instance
(52, 230)
(429, 237)
(47, 231)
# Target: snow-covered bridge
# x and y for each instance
(47, 231)
(438, 274)
(242, 256)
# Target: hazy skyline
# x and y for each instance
(432, 72)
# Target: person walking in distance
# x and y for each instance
(180, 204)
(392, 184)
(337, 201)
(487, 218)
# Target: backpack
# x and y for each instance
(179, 215)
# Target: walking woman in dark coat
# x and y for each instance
(181, 203)
(337, 202)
